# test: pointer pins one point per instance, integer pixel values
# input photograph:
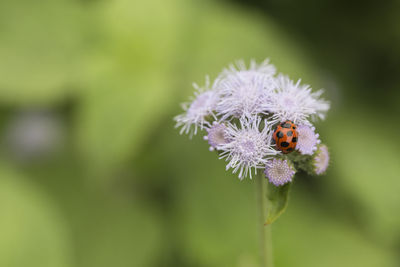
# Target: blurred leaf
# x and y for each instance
(41, 48)
(368, 169)
(278, 197)
(119, 234)
(307, 235)
(109, 226)
(33, 233)
(128, 79)
(217, 216)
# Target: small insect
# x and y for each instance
(285, 136)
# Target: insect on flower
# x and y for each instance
(286, 136)
(254, 118)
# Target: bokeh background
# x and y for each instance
(93, 173)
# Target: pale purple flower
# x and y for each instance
(249, 147)
(244, 92)
(307, 140)
(196, 112)
(321, 159)
(279, 172)
(295, 102)
(216, 135)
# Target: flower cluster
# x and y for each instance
(243, 108)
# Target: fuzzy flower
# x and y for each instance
(254, 69)
(203, 104)
(296, 102)
(279, 172)
(321, 159)
(249, 147)
(216, 136)
(307, 140)
(244, 92)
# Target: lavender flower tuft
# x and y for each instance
(296, 102)
(321, 160)
(217, 136)
(243, 96)
(279, 172)
(308, 140)
(245, 91)
(249, 146)
(196, 111)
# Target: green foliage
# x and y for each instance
(369, 172)
(33, 232)
(41, 50)
(278, 197)
(314, 236)
(128, 81)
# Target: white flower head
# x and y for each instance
(308, 140)
(216, 135)
(202, 105)
(249, 147)
(321, 160)
(244, 91)
(296, 102)
(279, 172)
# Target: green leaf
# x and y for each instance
(368, 170)
(324, 233)
(33, 230)
(41, 50)
(278, 200)
(129, 85)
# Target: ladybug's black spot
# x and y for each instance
(286, 125)
(294, 127)
(289, 133)
(294, 139)
(279, 134)
(284, 144)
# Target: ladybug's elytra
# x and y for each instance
(285, 136)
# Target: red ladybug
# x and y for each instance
(285, 136)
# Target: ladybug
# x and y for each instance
(286, 136)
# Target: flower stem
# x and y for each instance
(264, 230)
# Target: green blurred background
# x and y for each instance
(93, 173)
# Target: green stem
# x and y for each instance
(264, 231)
